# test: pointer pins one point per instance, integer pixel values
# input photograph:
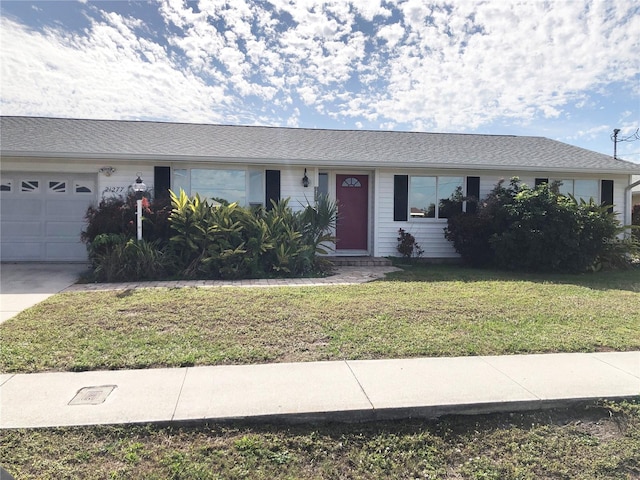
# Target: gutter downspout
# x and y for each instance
(627, 201)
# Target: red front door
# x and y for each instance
(352, 193)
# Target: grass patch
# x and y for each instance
(593, 442)
(423, 311)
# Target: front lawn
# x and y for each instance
(423, 311)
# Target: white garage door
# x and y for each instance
(42, 216)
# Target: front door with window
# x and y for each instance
(352, 193)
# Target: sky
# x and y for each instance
(563, 69)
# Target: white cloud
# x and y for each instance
(392, 34)
(409, 65)
(103, 74)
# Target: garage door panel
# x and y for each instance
(63, 229)
(21, 251)
(67, 208)
(15, 230)
(21, 208)
(65, 250)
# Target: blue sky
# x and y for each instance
(563, 69)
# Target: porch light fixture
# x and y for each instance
(305, 179)
(139, 188)
(107, 171)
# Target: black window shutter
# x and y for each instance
(606, 193)
(400, 197)
(161, 182)
(473, 191)
(540, 181)
(272, 190)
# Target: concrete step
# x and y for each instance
(340, 261)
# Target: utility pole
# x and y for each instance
(616, 131)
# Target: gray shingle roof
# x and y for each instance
(114, 139)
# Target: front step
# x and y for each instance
(360, 261)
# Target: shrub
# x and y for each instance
(407, 245)
(207, 239)
(550, 232)
(520, 228)
(117, 215)
(117, 258)
(470, 235)
(229, 241)
(195, 238)
(112, 215)
(318, 224)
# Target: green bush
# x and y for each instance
(470, 235)
(550, 232)
(228, 241)
(117, 258)
(407, 245)
(519, 228)
(197, 239)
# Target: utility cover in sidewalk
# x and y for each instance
(92, 395)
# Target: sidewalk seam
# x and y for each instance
(360, 385)
(597, 357)
(175, 407)
(484, 359)
(11, 375)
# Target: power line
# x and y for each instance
(630, 138)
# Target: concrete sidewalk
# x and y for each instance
(318, 391)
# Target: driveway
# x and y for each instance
(23, 285)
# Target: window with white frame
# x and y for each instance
(580, 189)
(427, 195)
(218, 184)
(246, 187)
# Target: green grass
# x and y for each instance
(591, 443)
(424, 311)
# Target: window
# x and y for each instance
(351, 182)
(228, 185)
(181, 181)
(585, 190)
(580, 189)
(57, 187)
(85, 186)
(250, 187)
(256, 187)
(5, 186)
(29, 186)
(428, 195)
(323, 183)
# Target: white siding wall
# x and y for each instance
(119, 183)
(291, 186)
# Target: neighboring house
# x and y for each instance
(52, 169)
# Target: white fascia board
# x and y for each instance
(416, 164)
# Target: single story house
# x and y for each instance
(52, 169)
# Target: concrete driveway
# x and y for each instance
(22, 285)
